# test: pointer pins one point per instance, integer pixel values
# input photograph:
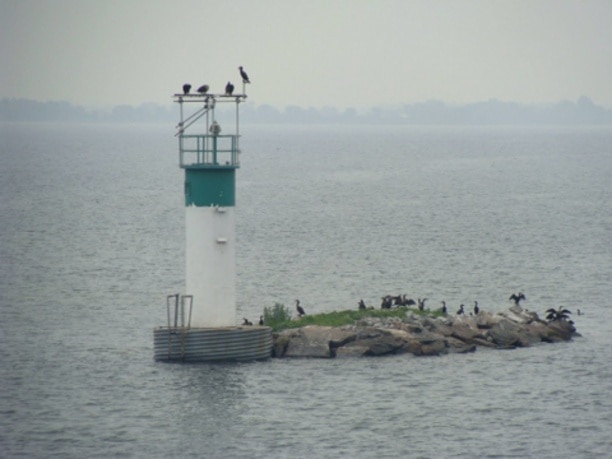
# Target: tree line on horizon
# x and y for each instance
(433, 112)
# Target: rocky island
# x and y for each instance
(424, 335)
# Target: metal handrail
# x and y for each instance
(178, 308)
(205, 150)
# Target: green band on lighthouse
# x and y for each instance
(210, 187)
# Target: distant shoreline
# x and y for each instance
(582, 112)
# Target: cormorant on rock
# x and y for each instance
(460, 311)
(422, 304)
(517, 298)
(386, 303)
(203, 89)
(558, 314)
(229, 89)
(579, 312)
(299, 308)
(243, 74)
(186, 88)
(246, 321)
(444, 310)
(261, 321)
(362, 304)
(476, 308)
(409, 302)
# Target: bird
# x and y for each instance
(422, 304)
(476, 308)
(229, 89)
(203, 89)
(558, 314)
(517, 298)
(362, 304)
(261, 321)
(246, 321)
(444, 307)
(409, 302)
(243, 74)
(460, 311)
(299, 308)
(186, 88)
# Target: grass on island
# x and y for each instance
(279, 317)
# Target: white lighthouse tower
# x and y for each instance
(210, 161)
(202, 322)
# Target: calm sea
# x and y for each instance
(92, 240)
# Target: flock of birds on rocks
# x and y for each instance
(229, 87)
(401, 301)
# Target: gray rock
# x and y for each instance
(314, 341)
(422, 335)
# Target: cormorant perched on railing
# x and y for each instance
(299, 308)
(261, 321)
(229, 89)
(186, 88)
(246, 321)
(476, 308)
(460, 311)
(517, 298)
(203, 89)
(243, 74)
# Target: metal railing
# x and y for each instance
(175, 307)
(208, 150)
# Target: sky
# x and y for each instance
(309, 53)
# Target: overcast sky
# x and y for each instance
(341, 53)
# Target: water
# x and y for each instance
(92, 239)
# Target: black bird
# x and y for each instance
(186, 88)
(203, 89)
(517, 298)
(387, 302)
(558, 314)
(444, 307)
(299, 308)
(422, 304)
(261, 321)
(243, 74)
(362, 304)
(229, 89)
(246, 321)
(460, 311)
(409, 302)
(476, 308)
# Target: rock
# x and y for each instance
(280, 341)
(377, 342)
(422, 335)
(561, 329)
(437, 347)
(314, 341)
(506, 334)
(461, 330)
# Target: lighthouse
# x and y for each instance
(210, 161)
(201, 322)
